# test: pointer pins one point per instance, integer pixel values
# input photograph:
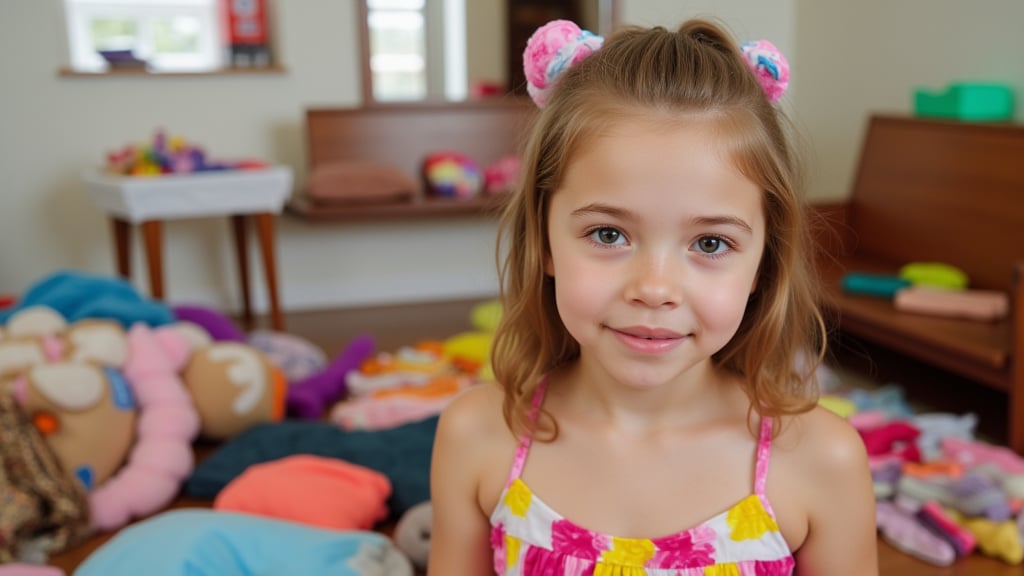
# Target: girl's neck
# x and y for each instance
(701, 393)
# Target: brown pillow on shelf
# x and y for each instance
(360, 183)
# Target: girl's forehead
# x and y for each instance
(622, 128)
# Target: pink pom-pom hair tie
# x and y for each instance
(769, 66)
(552, 49)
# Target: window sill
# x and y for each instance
(66, 72)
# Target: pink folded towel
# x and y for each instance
(986, 305)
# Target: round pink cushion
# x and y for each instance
(313, 490)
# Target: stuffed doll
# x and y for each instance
(234, 386)
(86, 412)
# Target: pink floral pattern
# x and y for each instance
(568, 538)
(529, 538)
(691, 549)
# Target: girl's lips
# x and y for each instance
(648, 340)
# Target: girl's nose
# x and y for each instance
(656, 281)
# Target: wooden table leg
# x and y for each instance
(265, 228)
(239, 229)
(122, 246)
(151, 232)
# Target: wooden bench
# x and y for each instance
(937, 191)
(402, 135)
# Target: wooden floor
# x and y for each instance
(394, 326)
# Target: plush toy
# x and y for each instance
(452, 175)
(87, 414)
(297, 357)
(233, 387)
(412, 533)
(161, 456)
(110, 405)
(503, 176)
(309, 398)
(215, 323)
(35, 321)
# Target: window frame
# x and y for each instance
(211, 53)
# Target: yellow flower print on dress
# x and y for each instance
(511, 551)
(749, 520)
(629, 552)
(518, 498)
(729, 569)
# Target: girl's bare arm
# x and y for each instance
(460, 535)
(840, 501)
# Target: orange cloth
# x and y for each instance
(312, 490)
(925, 470)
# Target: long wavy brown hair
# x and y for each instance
(696, 71)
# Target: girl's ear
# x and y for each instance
(549, 265)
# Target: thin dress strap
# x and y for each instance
(764, 453)
(526, 439)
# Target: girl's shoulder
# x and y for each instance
(477, 412)
(821, 440)
(473, 435)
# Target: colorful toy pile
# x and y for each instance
(941, 492)
(173, 155)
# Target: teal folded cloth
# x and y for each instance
(402, 454)
(77, 296)
(201, 542)
(879, 285)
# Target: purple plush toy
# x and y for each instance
(308, 398)
(219, 326)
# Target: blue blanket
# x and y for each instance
(77, 295)
(211, 543)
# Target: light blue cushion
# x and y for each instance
(203, 542)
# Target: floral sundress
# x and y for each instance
(530, 538)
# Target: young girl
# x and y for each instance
(655, 409)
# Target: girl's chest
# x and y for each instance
(639, 491)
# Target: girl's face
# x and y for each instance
(655, 244)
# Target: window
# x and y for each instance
(162, 35)
(398, 48)
(417, 49)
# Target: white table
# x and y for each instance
(149, 200)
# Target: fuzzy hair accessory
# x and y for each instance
(552, 49)
(769, 66)
(559, 44)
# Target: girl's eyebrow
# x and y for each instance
(724, 220)
(602, 209)
(621, 213)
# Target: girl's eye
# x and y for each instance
(711, 245)
(607, 236)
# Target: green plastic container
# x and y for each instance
(973, 101)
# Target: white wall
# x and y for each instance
(862, 57)
(51, 128)
(852, 59)
(849, 59)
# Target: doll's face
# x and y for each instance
(99, 341)
(86, 413)
(20, 354)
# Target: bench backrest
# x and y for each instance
(401, 135)
(941, 191)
